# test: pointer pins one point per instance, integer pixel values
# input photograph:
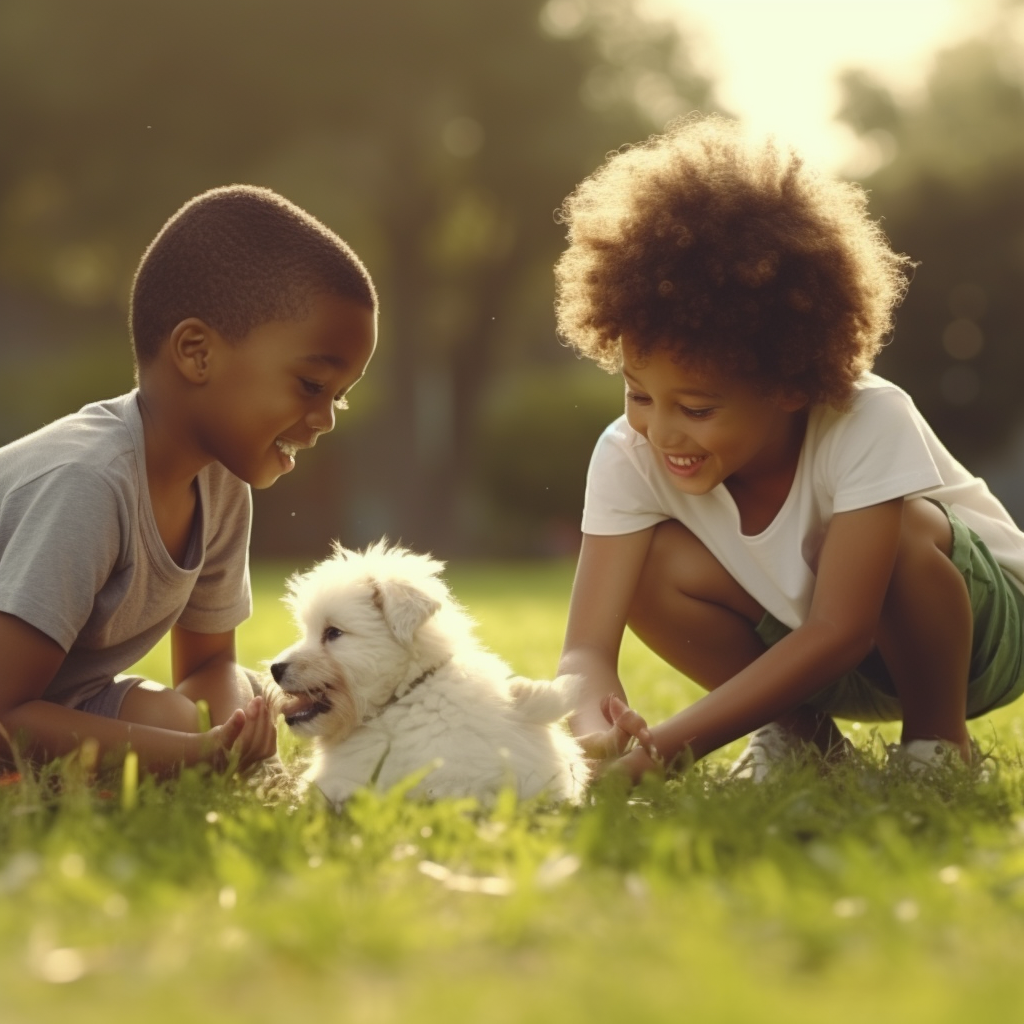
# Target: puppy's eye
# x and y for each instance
(330, 633)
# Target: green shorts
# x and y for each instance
(867, 693)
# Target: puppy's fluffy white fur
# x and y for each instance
(388, 678)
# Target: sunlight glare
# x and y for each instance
(775, 62)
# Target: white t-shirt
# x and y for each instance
(881, 448)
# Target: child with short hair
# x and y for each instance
(771, 518)
(250, 322)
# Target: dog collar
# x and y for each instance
(396, 697)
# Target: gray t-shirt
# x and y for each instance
(81, 558)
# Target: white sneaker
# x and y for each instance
(918, 756)
(921, 757)
(767, 748)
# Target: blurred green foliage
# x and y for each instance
(436, 138)
(947, 183)
(533, 451)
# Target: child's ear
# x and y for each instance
(190, 347)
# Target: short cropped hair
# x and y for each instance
(237, 257)
(731, 254)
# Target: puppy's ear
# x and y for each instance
(404, 607)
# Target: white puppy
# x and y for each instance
(388, 678)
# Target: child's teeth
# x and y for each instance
(286, 447)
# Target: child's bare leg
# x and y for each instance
(150, 704)
(159, 706)
(222, 700)
(692, 613)
(227, 696)
(926, 629)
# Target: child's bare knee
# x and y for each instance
(668, 564)
(669, 536)
(152, 704)
(679, 563)
(675, 551)
(925, 528)
(925, 582)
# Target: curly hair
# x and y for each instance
(731, 254)
(237, 257)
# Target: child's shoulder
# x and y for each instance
(618, 445)
(619, 434)
(871, 388)
(871, 385)
(876, 404)
(879, 447)
(99, 440)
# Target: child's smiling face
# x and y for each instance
(275, 391)
(709, 428)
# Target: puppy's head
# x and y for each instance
(367, 621)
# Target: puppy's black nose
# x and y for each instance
(277, 670)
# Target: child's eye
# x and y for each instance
(311, 387)
(697, 414)
(637, 399)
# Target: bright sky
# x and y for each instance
(775, 62)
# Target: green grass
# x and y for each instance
(857, 896)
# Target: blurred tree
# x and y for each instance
(437, 138)
(949, 167)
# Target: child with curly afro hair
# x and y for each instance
(774, 520)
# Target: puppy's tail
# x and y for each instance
(540, 701)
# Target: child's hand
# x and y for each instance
(258, 739)
(636, 763)
(246, 738)
(628, 727)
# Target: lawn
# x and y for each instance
(860, 896)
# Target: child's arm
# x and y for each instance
(856, 564)
(203, 667)
(606, 579)
(31, 659)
